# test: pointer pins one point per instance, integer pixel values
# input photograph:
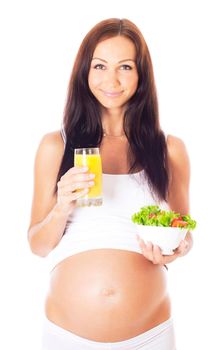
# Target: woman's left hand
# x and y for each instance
(153, 252)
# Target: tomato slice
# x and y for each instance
(152, 215)
(178, 222)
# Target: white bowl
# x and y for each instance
(167, 238)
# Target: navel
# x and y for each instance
(108, 292)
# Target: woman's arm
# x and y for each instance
(178, 199)
(179, 167)
(50, 210)
(47, 221)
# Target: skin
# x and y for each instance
(100, 283)
(113, 76)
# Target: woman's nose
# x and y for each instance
(112, 78)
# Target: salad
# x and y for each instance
(155, 216)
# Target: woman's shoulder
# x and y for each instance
(175, 145)
(51, 145)
(52, 139)
(177, 151)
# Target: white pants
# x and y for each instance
(160, 337)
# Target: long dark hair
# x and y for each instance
(82, 117)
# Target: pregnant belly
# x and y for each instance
(107, 295)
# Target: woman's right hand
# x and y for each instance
(74, 184)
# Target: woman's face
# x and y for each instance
(113, 76)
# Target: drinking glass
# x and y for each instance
(90, 157)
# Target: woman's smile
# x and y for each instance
(112, 94)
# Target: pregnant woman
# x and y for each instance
(107, 288)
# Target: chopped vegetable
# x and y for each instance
(154, 216)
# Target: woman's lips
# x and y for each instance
(112, 94)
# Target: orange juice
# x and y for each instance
(90, 157)
(93, 162)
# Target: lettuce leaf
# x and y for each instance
(154, 216)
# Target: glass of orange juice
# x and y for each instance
(90, 157)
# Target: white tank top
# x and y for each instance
(108, 226)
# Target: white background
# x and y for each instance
(39, 40)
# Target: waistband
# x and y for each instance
(151, 336)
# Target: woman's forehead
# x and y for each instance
(115, 49)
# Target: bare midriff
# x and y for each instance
(107, 295)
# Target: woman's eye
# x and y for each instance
(99, 66)
(126, 67)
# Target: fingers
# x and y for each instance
(74, 196)
(75, 174)
(71, 187)
(158, 258)
(154, 254)
(147, 249)
(74, 179)
(75, 183)
(77, 170)
(182, 249)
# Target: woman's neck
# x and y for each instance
(112, 121)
